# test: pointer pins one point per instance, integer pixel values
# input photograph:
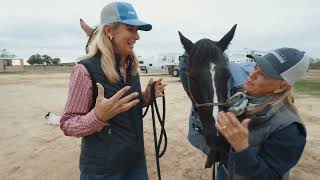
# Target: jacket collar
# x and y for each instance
(266, 113)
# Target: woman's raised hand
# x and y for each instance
(106, 109)
(236, 132)
(159, 88)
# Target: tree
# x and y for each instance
(46, 59)
(35, 59)
(56, 61)
(4, 53)
(43, 59)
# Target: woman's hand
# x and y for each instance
(236, 132)
(159, 88)
(106, 109)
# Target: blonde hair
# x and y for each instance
(289, 99)
(101, 43)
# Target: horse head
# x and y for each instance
(208, 73)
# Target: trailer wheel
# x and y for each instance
(176, 73)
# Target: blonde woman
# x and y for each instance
(105, 100)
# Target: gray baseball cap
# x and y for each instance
(288, 64)
(122, 12)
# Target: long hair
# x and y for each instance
(289, 99)
(101, 43)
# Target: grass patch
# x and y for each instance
(307, 87)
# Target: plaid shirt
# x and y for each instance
(77, 119)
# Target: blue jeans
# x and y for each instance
(221, 174)
(138, 172)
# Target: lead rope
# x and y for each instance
(163, 134)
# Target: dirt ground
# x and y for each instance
(32, 149)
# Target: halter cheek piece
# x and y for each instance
(196, 104)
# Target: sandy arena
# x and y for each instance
(32, 149)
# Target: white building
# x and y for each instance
(11, 64)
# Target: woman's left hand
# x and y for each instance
(159, 88)
(236, 132)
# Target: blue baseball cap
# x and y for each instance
(288, 64)
(122, 12)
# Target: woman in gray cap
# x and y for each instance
(266, 134)
(105, 101)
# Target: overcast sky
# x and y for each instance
(52, 27)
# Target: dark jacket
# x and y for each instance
(277, 138)
(119, 145)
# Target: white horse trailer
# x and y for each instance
(171, 61)
(164, 64)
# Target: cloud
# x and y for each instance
(52, 27)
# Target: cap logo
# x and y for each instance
(131, 12)
(278, 56)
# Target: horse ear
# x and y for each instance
(85, 27)
(187, 44)
(225, 41)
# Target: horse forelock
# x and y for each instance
(204, 51)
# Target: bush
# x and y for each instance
(315, 65)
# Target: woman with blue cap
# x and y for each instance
(105, 101)
(266, 134)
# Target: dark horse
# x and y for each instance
(206, 65)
